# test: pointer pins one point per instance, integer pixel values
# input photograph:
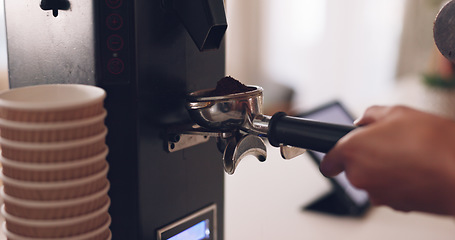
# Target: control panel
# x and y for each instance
(114, 42)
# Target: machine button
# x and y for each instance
(114, 21)
(114, 3)
(115, 43)
(115, 66)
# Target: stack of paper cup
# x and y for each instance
(54, 163)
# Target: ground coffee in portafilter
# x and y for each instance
(229, 85)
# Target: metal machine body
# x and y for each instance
(140, 52)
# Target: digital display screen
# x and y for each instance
(337, 114)
(200, 225)
(198, 231)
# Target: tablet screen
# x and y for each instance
(336, 113)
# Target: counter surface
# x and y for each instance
(264, 200)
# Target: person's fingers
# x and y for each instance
(331, 165)
(334, 161)
(372, 114)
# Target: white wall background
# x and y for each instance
(324, 49)
(332, 49)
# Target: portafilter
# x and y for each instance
(243, 111)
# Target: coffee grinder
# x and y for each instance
(146, 54)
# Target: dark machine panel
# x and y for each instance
(116, 29)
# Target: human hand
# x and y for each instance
(402, 157)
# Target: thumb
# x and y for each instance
(331, 165)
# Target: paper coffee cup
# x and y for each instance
(51, 103)
(58, 228)
(32, 209)
(101, 233)
(54, 171)
(59, 190)
(51, 131)
(53, 152)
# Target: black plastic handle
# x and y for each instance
(305, 133)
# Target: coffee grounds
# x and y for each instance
(229, 85)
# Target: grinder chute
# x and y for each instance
(204, 20)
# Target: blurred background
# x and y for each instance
(305, 52)
(309, 52)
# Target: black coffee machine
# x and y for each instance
(146, 54)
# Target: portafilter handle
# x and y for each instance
(305, 133)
